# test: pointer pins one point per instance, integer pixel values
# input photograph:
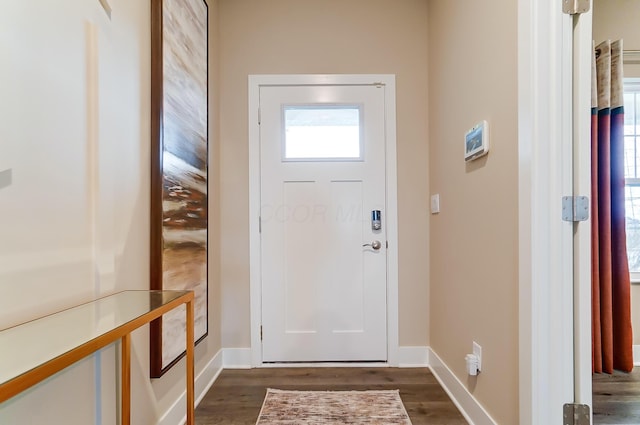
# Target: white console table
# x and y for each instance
(35, 350)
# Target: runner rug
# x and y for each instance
(282, 407)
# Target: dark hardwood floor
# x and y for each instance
(237, 395)
(616, 398)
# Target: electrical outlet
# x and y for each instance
(477, 350)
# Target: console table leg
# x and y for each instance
(126, 380)
(190, 365)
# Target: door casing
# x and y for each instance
(582, 55)
(255, 82)
(554, 309)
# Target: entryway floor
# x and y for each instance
(237, 395)
(616, 398)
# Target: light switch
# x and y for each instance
(6, 178)
(435, 203)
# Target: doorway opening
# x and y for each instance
(616, 396)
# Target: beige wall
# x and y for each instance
(46, 258)
(474, 242)
(332, 37)
(614, 19)
(215, 298)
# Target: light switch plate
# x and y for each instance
(6, 177)
(435, 203)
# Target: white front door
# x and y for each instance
(324, 262)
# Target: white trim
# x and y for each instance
(318, 365)
(525, 147)
(631, 84)
(393, 325)
(203, 382)
(545, 242)
(631, 57)
(636, 355)
(472, 411)
(413, 356)
(583, 53)
(241, 358)
(255, 268)
(237, 358)
(254, 82)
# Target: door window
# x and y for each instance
(322, 132)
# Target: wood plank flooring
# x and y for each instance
(616, 398)
(237, 395)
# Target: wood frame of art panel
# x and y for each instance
(179, 170)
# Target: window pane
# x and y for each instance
(631, 164)
(322, 132)
(632, 212)
(636, 112)
(629, 113)
(631, 129)
(630, 158)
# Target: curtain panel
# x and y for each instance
(611, 286)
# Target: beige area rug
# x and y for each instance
(282, 407)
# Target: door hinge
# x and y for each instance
(575, 208)
(259, 116)
(575, 7)
(576, 414)
(260, 332)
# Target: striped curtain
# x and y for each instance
(611, 287)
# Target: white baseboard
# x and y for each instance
(636, 355)
(240, 358)
(203, 382)
(472, 411)
(413, 356)
(237, 358)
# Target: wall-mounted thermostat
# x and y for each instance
(476, 141)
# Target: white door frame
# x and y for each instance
(583, 53)
(546, 244)
(255, 81)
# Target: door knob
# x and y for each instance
(376, 245)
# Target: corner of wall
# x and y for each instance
(416, 356)
(176, 413)
(470, 408)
